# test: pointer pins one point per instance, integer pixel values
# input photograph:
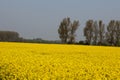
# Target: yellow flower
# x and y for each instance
(26, 61)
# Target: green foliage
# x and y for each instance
(9, 36)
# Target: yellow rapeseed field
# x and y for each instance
(26, 61)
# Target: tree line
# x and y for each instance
(95, 32)
(9, 36)
(12, 36)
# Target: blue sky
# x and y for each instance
(41, 18)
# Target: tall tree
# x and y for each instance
(73, 28)
(111, 32)
(64, 29)
(117, 33)
(101, 32)
(67, 30)
(88, 31)
(95, 33)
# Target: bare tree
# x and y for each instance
(88, 31)
(73, 28)
(95, 33)
(101, 32)
(67, 30)
(64, 29)
(111, 32)
(117, 33)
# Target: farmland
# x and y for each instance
(26, 61)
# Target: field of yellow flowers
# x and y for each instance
(27, 61)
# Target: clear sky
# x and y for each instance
(41, 18)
